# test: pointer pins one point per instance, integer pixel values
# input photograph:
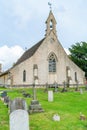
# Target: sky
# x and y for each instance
(22, 25)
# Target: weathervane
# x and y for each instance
(50, 5)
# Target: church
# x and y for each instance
(45, 62)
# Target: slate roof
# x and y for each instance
(4, 73)
(29, 52)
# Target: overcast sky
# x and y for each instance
(22, 24)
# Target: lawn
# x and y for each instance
(68, 105)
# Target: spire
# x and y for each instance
(50, 23)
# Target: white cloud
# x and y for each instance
(9, 55)
(23, 21)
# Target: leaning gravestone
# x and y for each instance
(19, 119)
(50, 96)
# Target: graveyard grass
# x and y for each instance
(67, 105)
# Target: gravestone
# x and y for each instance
(64, 87)
(6, 101)
(46, 89)
(81, 91)
(50, 96)
(19, 119)
(35, 106)
(5, 98)
(26, 95)
(18, 103)
(55, 87)
(77, 86)
(3, 94)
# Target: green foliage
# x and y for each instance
(79, 55)
(68, 105)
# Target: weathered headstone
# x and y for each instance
(55, 87)
(3, 94)
(77, 86)
(64, 87)
(18, 103)
(50, 96)
(6, 101)
(81, 91)
(46, 89)
(27, 95)
(19, 119)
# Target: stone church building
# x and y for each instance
(45, 62)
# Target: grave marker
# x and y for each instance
(3, 94)
(50, 96)
(35, 106)
(81, 91)
(19, 119)
(18, 103)
(55, 87)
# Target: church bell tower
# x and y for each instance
(50, 24)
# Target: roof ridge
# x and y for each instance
(27, 54)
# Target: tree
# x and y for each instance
(78, 54)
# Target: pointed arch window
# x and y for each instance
(24, 76)
(52, 63)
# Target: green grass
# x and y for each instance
(68, 105)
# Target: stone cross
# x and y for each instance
(34, 92)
